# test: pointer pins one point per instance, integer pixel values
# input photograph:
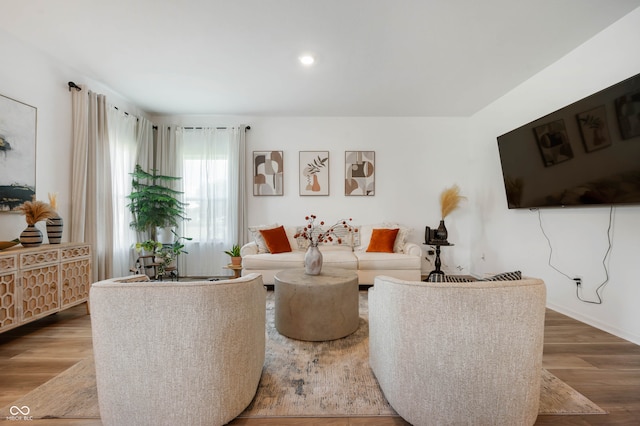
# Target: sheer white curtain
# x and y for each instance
(210, 170)
(92, 208)
(123, 143)
(145, 145)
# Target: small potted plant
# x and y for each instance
(148, 247)
(234, 253)
(164, 255)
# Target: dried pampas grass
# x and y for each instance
(53, 200)
(35, 211)
(450, 200)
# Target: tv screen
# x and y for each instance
(587, 153)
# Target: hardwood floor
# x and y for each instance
(605, 368)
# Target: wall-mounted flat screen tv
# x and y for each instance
(587, 153)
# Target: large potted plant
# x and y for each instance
(153, 203)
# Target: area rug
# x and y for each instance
(300, 379)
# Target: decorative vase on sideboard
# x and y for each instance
(31, 237)
(313, 261)
(54, 230)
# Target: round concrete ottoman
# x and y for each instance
(316, 307)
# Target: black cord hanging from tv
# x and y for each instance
(578, 281)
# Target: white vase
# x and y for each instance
(164, 235)
(312, 261)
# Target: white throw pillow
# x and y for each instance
(257, 236)
(401, 239)
(301, 242)
(365, 232)
(291, 231)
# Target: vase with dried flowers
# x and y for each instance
(450, 200)
(34, 212)
(315, 233)
(54, 224)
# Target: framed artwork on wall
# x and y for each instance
(553, 142)
(314, 173)
(18, 123)
(359, 173)
(594, 129)
(268, 173)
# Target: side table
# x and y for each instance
(237, 270)
(147, 262)
(316, 307)
(437, 244)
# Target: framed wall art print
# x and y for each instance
(268, 173)
(360, 173)
(314, 173)
(17, 153)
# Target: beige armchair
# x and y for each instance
(177, 353)
(458, 353)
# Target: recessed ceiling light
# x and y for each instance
(307, 60)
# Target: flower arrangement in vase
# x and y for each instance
(315, 233)
(450, 199)
(34, 212)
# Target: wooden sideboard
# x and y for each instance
(39, 281)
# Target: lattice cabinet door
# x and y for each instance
(40, 291)
(39, 281)
(75, 275)
(8, 292)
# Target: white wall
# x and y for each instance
(512, 239)
(416, 158)
(29, 76)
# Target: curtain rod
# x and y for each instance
(72, 85)
(218, 128)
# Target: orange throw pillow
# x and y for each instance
(276, 239)
(382, 240)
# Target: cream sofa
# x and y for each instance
(458, 353)
(177, 353)
(403, 263)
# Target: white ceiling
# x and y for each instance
(373, 57)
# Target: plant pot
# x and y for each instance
(164, 235)
(236, 260)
